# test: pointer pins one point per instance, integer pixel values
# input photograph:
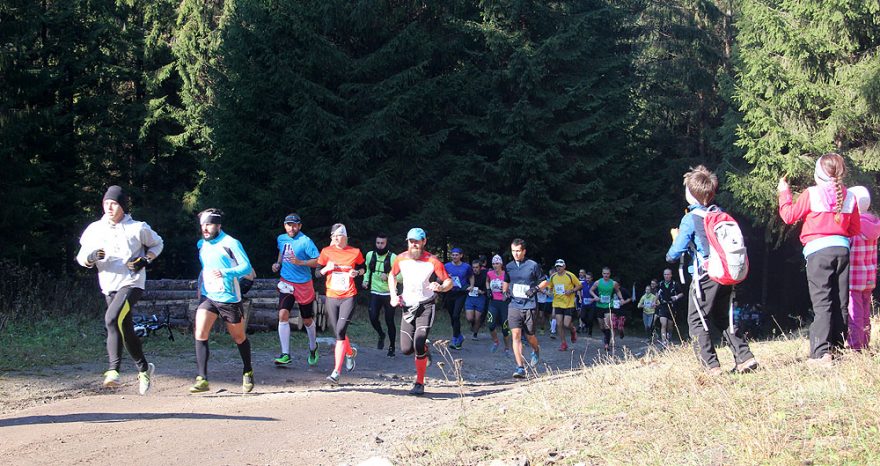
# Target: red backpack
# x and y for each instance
(728, 261)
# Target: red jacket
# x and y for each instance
(818, 219)
(863, 255)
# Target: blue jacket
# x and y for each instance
(690, 230)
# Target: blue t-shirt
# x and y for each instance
(521, 277)
(304, 249)
(460, 275)
(223, 253)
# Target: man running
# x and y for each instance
(668, 293)
(523, 278)
(376, 280)
(565, 286)
(460, 273)
(588, 306)
(341, 263)
(423, 276)
(120, 248)
(603, 292)
(224, 262)
(475, 304)
(297, 255)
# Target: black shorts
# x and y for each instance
(565, 312)
(546, 308)
(521, 318)
(287, 300)
(663, 310)
(229, 312)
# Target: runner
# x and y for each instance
(475, 304)
(602, 292)
(376, 280)
(339, 263)
(588, 306)
(460, 273)
(423, 276)
(297, 255)
(565, 286)
(545, 309)
(498, 304)
(648, 304)
(224, 262)
(120, 247)
(522, 281)
(668, 293)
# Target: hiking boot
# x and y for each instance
(282, 360)
(533, 361)
(247, 382)
(519, 373)
(823, 362)
(350, 363)
(563, 346)
(144, 379)
(381, 344)
(333, 378)
(111, 379)
(748, 366)
(200, 386)
(313, 357)
(418, 389)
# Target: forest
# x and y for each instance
(567, 123)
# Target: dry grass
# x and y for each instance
(663, 409)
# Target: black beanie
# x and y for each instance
(115, 193)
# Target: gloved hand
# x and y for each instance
(95, 256)
(531, 292)
(137, 263)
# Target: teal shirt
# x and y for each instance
(373, 277)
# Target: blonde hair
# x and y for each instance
(833, 165)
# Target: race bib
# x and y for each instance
(604, 299)
(474, 292)
(559, 289)
(212, 283)
(616, 304)
(520, 290)
(285, 287)
(456, 281)
(339, 281)
(495, 285)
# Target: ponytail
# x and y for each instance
(838, 188)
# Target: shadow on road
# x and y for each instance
(120, 417)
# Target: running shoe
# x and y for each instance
(563, 346)
(455, 343)
(475, 336)
(553, 334)
(111, 379)
(495, 347)
(574, 336)
(333, 378)
(534, 359)
(313, 357)
(418, 389)
(247, 382)
(519, 373)
(144, 379)
(200, 386)
(350, 363)
(282, 360)
(390, 351)
(381, 343)
(507, 352)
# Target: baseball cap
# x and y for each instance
(292, 218)
(560, 262)
(496, 259)
(416, 233)
(457, 251)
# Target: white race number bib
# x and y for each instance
(520, 291)
(339, 281)
(559, 289)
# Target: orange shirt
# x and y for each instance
(339, 282)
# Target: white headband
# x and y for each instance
(209, 218)
(819, 174)
(339, 231)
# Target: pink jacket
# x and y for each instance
(863, 255)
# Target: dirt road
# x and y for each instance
(293, 417)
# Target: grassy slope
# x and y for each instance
(663, 409)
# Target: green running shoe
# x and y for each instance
(282, 360)
(313, 357)
(200, 386)
(247, 382)
(144, 379)
(111, 379)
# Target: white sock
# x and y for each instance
(553, 326)
(310, 330)
(284, 336)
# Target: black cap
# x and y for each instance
(115, 193)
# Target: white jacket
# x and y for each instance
(120, 242)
